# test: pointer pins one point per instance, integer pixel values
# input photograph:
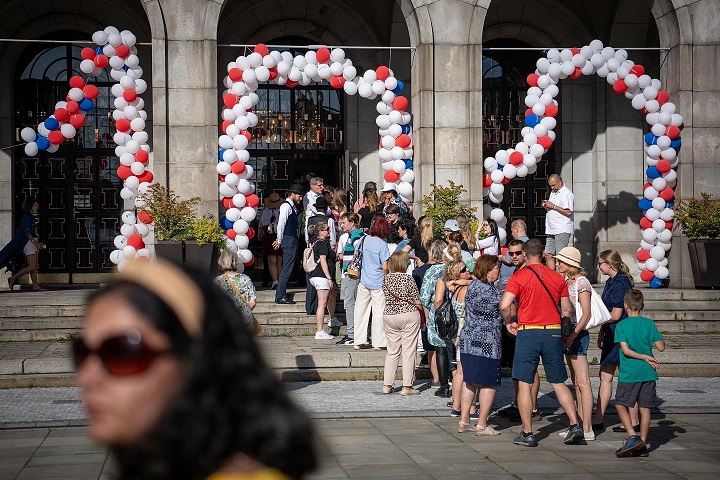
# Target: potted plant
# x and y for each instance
(443, 203)
(209, 238)
(699, 219)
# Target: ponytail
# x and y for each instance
(616, 262)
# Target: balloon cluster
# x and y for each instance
(661, 143)
(243, 76)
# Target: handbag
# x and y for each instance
(446, 319)
(566, 325)
(355, 265)
(421, 310)
(599, 314)
(256, 329)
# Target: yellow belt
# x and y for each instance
(543, 327)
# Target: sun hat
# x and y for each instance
(273, 201)
(389, 187)
(570, 256)
(452, 225)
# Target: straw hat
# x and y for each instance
(570, 256)
(273, 201)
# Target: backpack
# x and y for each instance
(308, 259)
(446, 319)
(355, 265)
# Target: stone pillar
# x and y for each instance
(187, 135)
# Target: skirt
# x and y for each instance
(479, 370)
(268, 249)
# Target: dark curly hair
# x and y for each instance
(230, 403)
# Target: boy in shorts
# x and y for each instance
(638, 372)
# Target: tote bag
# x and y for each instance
(599, 313)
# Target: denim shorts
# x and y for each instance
(580, 345)
(536, 343)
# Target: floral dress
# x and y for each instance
(581, 284)
(244, 287)
(427, 297)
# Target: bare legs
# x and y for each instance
(580, 376)
(326, 298)
(275, 266)
(433, 366)
(624, 414)
(605, 392)
(525, 403)
(32, 265)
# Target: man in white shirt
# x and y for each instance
(287, 239)
(559, 220)
(316, 191)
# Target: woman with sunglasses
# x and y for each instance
(490, 245)
(323, 277)
(175, 386)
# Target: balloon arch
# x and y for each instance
(662, 143)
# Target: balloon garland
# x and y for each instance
(661, 147)
(243, 76)
(117, 50)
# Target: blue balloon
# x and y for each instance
(405, 129)
(652, 172)
(669, 204)
(650, 139)
(408, 163)
(220, 154)
(125, 67)
(656, 282)
(399, 89)
(86, 104)
(645, 204)
(532, 120)
(225, 223)
(98, 50)
(51, 124)
(43, 143)
(676, 143)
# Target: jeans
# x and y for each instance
(348, 292)
(289, 246)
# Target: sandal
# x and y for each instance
(486, 431)
(621, 429)
(465, 427)
(11, 284)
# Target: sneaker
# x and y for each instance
(454, 413)
(345, 341)
(563, 433)
(475, 415)
(589, 436)
(630, 446)
(526, 440)
(363, 346)
(443, 392)
(536, 415)
(435, 384)
(334, 322)
(642, 452)
(574, 436)
(323, 335)
(406, 391)
(388, 389)
(510, 411)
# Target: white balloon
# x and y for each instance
(241, 226)
(490, 164)
(129, 252)
(31, 149)
(662, 272)
(651, 264)
(649, 235)
(248, 214)
(116, 256)
(497, 176)
(658, 253)
(128, 217)
(242, 241)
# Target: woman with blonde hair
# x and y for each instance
(610, 263)
(402, 323)
(420, 242)
(371, 207)
(469, 243)
(361, 202)
(576, 345)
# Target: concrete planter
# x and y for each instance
(705, 262)
(202, 258)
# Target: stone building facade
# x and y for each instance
(599, 147)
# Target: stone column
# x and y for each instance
(186, 137)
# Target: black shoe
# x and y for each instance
(621, 429)
(444, 392)
(284, 301)
(345, 341)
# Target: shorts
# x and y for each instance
(555, 243)
(30, 248)
(580, 345)
(320, 283)
(536, 343)
(642, 393)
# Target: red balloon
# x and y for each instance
(77, 82)
(647, 275)
(662, 97)
(72, 107)
(101, 61)
(221, 178)
(576, 73)
(235, 74)
(77, 120)
(122, 51)
(262, 49)
(505, 181)
(503, 250)
(667, 194)
(669, 224)
(247, 134)
(337, 81)
(141, 156)
(516, 158)
(644, 111)
(224, 125)
(146, 176)
(645, 223)
(322, 55)
(124, 172)
(87, 53)
(575, 50)
(403, 140)
(663, 166)
(250, 233)
(528, 112)
(62, 115)
(642, 255)
(273, 73)
(619, 86)
(230, 99)
(145, 218)
(249, 262)
(135, 240)
(545, 141)
(637, 70)
(400, 103)
(252, 200)
(91, 92)
(551, 110)
(391, 176)
(647, 185)
(227, 202)
(290, 84)
(238, 167)
(123, 125)
(672, 131)
(487, 180)
(382, 73)
(231, 234)
(130, 95)
(532, 79)
(55, 137)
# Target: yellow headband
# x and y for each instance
(172, 285)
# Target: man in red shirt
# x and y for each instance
(538, 335)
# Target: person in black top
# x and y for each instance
(421, 241)
(371, 207)
(322, 278)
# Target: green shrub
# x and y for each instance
(699, 218)
(443, 203)
(208, 230)
(173, 218)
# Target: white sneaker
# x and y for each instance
(323, 335)
(334, 322)
(589, 436)
(563, 433)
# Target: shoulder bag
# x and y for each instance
(599, 314)
(355, 265)
(420, 309)
(566, 325)
(446, 319)
(256, 329)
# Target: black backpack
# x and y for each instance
(446, 319)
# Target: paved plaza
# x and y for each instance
(367, 434)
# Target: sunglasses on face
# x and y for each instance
(121, 356)
(464, 270)
(514, 254)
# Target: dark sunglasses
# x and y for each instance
(514, 254)
(121, 356)
(464, 270)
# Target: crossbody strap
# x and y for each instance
(547, 290)
(227, 279)
(403, 300)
